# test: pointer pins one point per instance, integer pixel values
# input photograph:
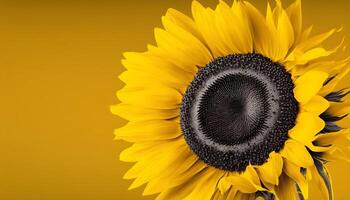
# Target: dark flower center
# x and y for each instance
(237, 110)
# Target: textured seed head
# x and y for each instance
(237, 110)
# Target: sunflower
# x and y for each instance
(231, 104)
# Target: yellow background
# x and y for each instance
(59, 62)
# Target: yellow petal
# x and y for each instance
(331, 67)
(156, 67)
(137, 79)
(205, 21)
(187, 173)
(306, 34)
(313, 54)
(286, 189)
(184, 22)
(149, 153)
(281, 31)
(308, 85)
(246, 182)
(271, 170)
(208, 184)
(339, 109)
(149, 130)
(225, 32)
(297, 153)
(245, 43)
(293, 171)
(181, 191)
(316, 148)
(285, 33)
(319, 182)
(270, 19)
(316, 105)
(156, 97)
(307, 126)
(263, 40)
(330, 138)
(173, 178)
(301, 57)
(294, 14)
(163, 157)
(195, 54)
(232, 193)
(224, 185)
(315, 40)
(182, 169)
(137, 113)
(183, 50)
(335, 81)
(184, 190)
(217, 195)
(233, 27)
(336, 154)
(139, 151)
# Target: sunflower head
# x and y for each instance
(234, 103)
